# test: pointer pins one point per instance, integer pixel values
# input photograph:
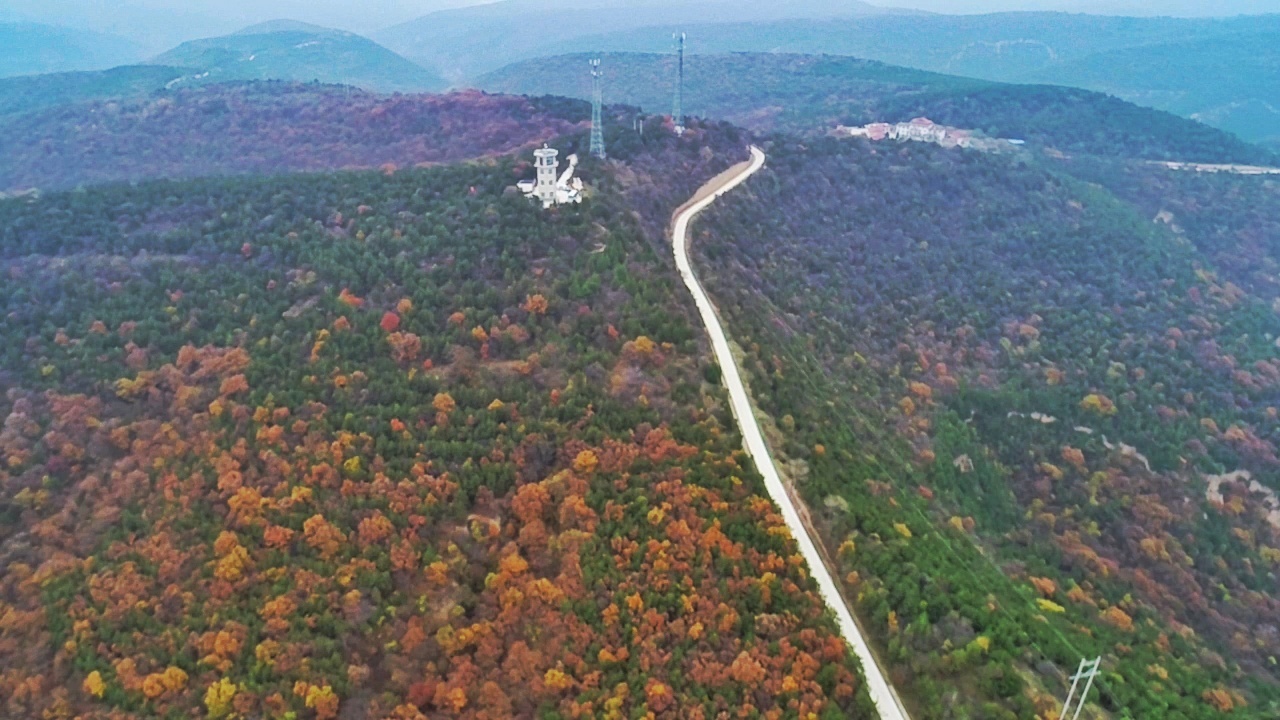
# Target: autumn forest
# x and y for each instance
(309, 413)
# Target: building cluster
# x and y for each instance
(920, 130)
(925, 130)
(551, 187)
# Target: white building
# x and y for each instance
(547, 187)
(920, 129)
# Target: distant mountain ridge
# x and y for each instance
(286, 50)
(1186, 66)
(35, 92)
(268, 128)
(284, 25)
(463, 43)
(1231, 82)
(31, 48)
(811, 94)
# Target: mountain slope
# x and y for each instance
(301, 55)
(265, 128)
(811, 94)
(1229, 82)
(1033, 404)
(385, 445)
(29, 48)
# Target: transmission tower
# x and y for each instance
(1087, 670)
(677, 113)
(597, 103)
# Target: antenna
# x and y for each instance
(677, 113)
(597, 101)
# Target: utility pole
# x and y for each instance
(1087, 670)
(677, 112)
(597, 103)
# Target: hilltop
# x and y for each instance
(284, 50)
(284, 25)
(270, 127)
(811, 94)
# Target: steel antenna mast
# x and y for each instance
(677, 112)
(597, 103)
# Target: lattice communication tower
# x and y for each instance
(677, 112)
(597, 105)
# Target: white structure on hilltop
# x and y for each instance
(547, 187)
(544, 159)
(919, 130)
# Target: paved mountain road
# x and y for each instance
(882, 694)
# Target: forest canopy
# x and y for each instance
(385, 444)
(1050, 421)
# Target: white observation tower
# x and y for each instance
(547, 188)
(547, 164)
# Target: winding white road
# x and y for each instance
(886, 700)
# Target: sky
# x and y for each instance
(1190, 8)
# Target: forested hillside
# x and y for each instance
(300, 53)
(811, 94)
(35, 92)
(1049, 430)
(1228, 82)
(266, 127)
(1233, 220)
(385, 444)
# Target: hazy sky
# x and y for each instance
(1126, 7)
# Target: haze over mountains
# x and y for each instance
(1219, 71)
(278, 50)
(31, 48)
(462, 43)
